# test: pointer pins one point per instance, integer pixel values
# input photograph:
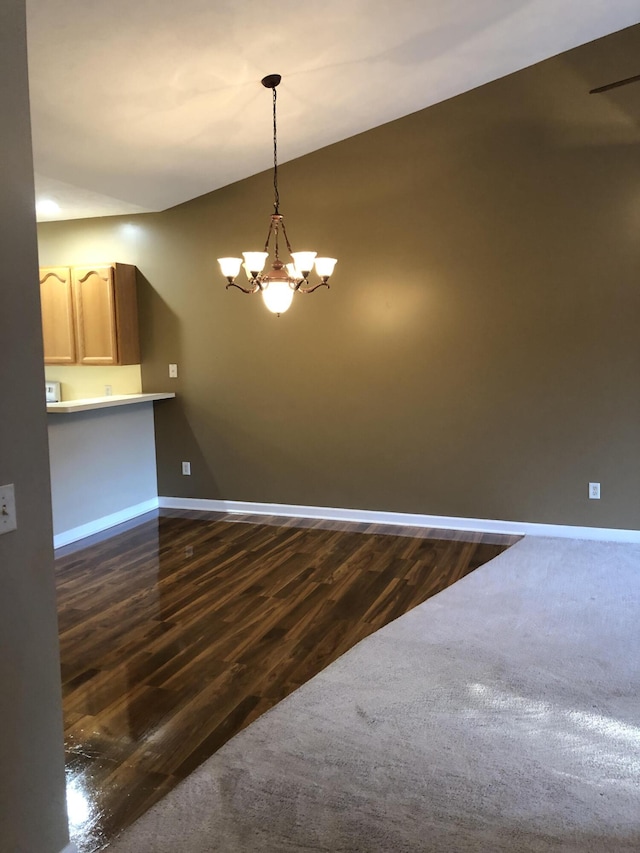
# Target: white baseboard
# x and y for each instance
(100, 524)
(70, 848)
(442, 522)
(477, 525)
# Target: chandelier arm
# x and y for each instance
(257, 286)
(315, 287)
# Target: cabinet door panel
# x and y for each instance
(95, 315)
(57, 315)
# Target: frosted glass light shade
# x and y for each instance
(230, 266)
(324, 266)
(303, 261)
(293, 273)
(255, 261)
(277, 296)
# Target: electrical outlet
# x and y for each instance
(108, 390)
(594, 491)
(7, 509)
(186, 469)
(173, 371)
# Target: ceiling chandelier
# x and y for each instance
(282, 280)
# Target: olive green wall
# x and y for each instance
(32, 789)
(478, 353)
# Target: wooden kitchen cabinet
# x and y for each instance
(58, 330)
(103, 311)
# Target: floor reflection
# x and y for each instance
(85, 815)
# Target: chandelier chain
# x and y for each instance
(276, 194)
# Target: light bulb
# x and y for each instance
(47, 207)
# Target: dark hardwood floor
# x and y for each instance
(179, 631)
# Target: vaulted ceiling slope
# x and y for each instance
(141, 106)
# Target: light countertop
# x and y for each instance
(67, 406)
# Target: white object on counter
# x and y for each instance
(52, 392)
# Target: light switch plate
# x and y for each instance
(7, 509)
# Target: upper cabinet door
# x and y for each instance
(57, 316)
(94, 295)
(90, 314)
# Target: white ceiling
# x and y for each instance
(138, 105)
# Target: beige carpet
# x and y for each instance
(501, 715)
